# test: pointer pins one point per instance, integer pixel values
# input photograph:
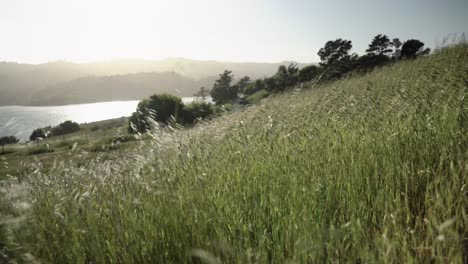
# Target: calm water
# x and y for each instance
(20, 121)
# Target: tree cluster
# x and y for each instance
(337, 62)
(64, 128)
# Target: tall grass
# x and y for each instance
(367, 169)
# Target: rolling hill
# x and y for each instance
(59, 83)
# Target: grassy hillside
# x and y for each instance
(370, 169)
(94, 138)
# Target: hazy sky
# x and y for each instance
(37, 31)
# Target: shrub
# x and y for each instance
(66, 127)
(196, 110)
(160, 108)
(256, 97)
(39, 133)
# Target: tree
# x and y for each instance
(202, 93)
(270, 84)
(369, 61)
(40, 133)
(222, 91)
(160, 108)
(7, 140)
(243, 83)
(308, 73)
(286, 77)
(334, 50)
(66, 127)
(254, 87)
(380, 45)
(196, 110)
(413, 48)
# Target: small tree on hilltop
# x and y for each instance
(222, 91)
(334, 50)
(380, 45)
(413, 48)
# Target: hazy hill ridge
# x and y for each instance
(58, 83)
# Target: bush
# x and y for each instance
(160, 108)
(39, 133)
(196, 110)
(254, 87)
(256, 97)
(66, 127)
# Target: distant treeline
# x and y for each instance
(336, 62)
(64, 128)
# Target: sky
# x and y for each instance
(38, 31)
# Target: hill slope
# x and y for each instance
(370, 169)
(118, 88)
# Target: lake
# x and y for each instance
(20, 121)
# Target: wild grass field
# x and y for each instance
(94, 138)
(368, 169)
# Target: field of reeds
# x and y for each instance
(368, 169)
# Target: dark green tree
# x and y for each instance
(286, 77)
(369, 61)
(243, 83)
(413, 48)
(270, 84)
(66, 127)
(380, 45)
(308, 73)
(254, 87)
(222, 91)
(160, 108)
(334, 50)
(40, 133)
(196, 110)
(7, 140)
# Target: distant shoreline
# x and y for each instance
(59, 105)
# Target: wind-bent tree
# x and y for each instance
(380, 45)
(7, 140)
(413, 48)
(222, 91)
(334, 50)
